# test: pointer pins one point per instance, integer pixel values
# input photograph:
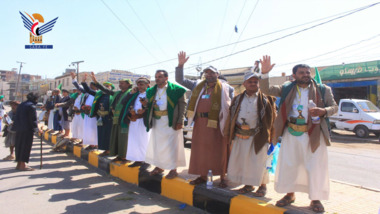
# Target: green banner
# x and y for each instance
(350, 71)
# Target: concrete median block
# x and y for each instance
(242, 204)
(214, 201)
(46, 136)
(104, 164)
(178, 189)
(114, 168)
(130, 175)
(151, 183)
(77, 151)
(54, 139)
(93, 158)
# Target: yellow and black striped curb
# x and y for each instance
(215, 200)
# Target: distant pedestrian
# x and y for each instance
(10, 138)
(25, 125)
(2, 110)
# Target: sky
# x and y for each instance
(142, 36)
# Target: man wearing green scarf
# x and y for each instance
(119, 134)
(166, 112)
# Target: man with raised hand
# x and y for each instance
(302, 162)
(119, 134)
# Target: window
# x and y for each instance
(348, 107)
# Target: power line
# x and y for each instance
(126, 27)
(333, 51)
(142, 23)
(223, 20)
(291, 34)
(167, 25)
(266, 34)
(249, 18)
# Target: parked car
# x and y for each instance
(39, 106)
(359, 116)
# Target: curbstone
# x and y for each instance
(214, 201)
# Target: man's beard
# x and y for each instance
(303, 82)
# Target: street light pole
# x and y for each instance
(18, 78)
(77, 63)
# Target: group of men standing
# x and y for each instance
(231, 134)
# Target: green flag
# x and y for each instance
(60, 86)
(317, 76)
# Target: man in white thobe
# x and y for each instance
(166, 112)
(249, 128)
(138, 137)
(302, 162)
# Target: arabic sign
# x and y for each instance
(115, 77)
(350, 71)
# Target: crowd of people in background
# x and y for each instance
(231, 132)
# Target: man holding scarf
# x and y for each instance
(133, 117)
(208, 107)
(166, 107)
(119, 133)
(249, 129)
(302, 162)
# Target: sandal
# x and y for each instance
(171, 175)
(156, 171)
(245, 189)
(198, 181)
(285, 201)
(26, 169)
(261, 192)
(317, 206)
(222, 184)
(9, 157)
(116, 159)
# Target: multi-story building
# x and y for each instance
(114, 76)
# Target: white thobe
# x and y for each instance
(165, 149)
(298, 168)
(245, 166)
(138, 137)
(90, 129)
(77, 123)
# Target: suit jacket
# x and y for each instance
(178, 114)
(26, 118)
(330, 106)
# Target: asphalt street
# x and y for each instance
(66, 184)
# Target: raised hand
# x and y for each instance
(266, 65)
(72, 75)
(182, 59)
(84, 77)
(92, 75)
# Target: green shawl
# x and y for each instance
(173, 92)
(98, 94)
(124, 125)
(119, 105)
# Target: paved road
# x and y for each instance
(353, 162)
(67, 185)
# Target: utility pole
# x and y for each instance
(18, 78)
(77, 63)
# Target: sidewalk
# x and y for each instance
(344, 198)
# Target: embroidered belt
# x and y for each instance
(102, 113)
(160, 113)
(245, 133)
(133, 118)
(202, 114)
(298, 128)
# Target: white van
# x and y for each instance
(359, 116)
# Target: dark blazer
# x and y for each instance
(26, 117)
